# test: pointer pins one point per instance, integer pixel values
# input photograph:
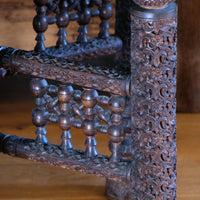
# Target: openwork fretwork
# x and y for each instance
(136, 110)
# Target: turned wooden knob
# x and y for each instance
(38, 87)
(40, 117)
(65, 93)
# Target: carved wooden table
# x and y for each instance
(137, 109)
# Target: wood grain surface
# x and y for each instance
(188, 92)
(22, 179)
(16, 31)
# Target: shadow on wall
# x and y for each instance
(188, 91)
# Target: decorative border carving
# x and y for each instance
(87, 50)
(153, 4)
(102, 78)
(71, 159)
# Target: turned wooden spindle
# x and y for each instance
(39, 114)
(65, 120)
(126, 145)
(89, 126)
(52, 7)
(84, 19)
(40, 24)
(62, 23)
(116, 130)
(106, 12)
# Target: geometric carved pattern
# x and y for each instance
(71, 159)
(91, 49)
(104, 78)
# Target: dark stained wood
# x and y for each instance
(188, 92)
(152, 90)
(155, 4)
(103, 78)
(22, 179)
(155, 121)
(151, 86)
(16, 17)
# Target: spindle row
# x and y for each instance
(85, 109)
(70, 10)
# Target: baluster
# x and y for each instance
(116, 131)
(65, 121)
(84, 19)
(106, 12)
(62, 23)
(39, 114)
(89, 126)
(40, 24)
(126, 145)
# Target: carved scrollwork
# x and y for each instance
(153, 108)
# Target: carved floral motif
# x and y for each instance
(153, 92)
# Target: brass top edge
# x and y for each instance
(166, 12)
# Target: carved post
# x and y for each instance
(153, 104)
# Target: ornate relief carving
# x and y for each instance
(151, 173)
(153, 90)
(104, 78)
(153, 110)
(71, 159)
(91, 49)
